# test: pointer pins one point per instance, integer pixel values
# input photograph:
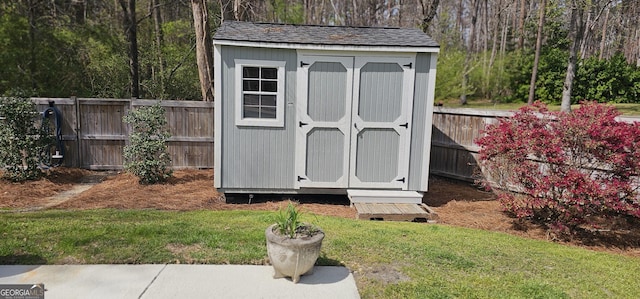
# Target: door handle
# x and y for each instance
(301, 124)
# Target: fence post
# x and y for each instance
(76, 130)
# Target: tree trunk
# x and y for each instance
(203, 48)
(130, 31)
(523, 15)
(494, 48)
(157, 25)
(536, 60)
(575, 38)
(604, 35)
(470, 48)
(226, 7)
(32, 44)
(428, 13)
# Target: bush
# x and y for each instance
(551, 72)
(564, 170)
(613, 80)
(146, 156)
(20, 139)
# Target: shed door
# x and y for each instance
(353, 121)
(324, 121)
(381, 122)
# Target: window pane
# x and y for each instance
(250, 112)
(251, 99)
(250, 85)
(268, 112)
(269, 73)
(271, 86)
(250, 72)
(268, 101)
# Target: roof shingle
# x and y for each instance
(323, 35)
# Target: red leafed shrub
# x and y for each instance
(564, 170)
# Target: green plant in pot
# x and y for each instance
(293, 246)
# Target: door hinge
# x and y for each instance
(300, 124)
(401, 180)
(405, 125)
(302, 63)
(409, 65)
(301, 178)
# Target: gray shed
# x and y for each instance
(323, 109)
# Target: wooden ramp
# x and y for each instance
(395, 212)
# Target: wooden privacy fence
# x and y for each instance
(453, 150)
(94, 133)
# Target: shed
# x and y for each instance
(323, 109)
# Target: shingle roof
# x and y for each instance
(323, 35)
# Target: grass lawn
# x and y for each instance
(625, 109)
(431, 261)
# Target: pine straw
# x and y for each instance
(36, 193)
(457, 203)
(188, 190)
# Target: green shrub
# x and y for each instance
(611, 80)
(551, 72)
(449, 75)
(20, 139)
(146, 156)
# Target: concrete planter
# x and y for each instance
(292, 257)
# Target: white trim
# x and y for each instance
(217, 117)
(280, 94)
(327, 47)
(426, 153)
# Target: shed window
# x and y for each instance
(260, 100)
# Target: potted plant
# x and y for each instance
(293, 246)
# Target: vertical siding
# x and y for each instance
(377, 155)
(191, 127)
(102, 133)
(419, 118)
(327, 87)
(325, 152)
(257, 157)
(380, 92)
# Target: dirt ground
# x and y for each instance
(457, 203)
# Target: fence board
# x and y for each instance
(95, 135)
(453, 150)
(69, 124)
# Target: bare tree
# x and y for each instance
(471, 41)
(204, 57)
(159, 42)
(575, 36)
(429, 9)
(130, 31)
(536, 60)
(604, 34)
(523, 16)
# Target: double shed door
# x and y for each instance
(353, 121)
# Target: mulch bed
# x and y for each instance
(457, 203)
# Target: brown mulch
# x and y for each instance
(457, 203)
